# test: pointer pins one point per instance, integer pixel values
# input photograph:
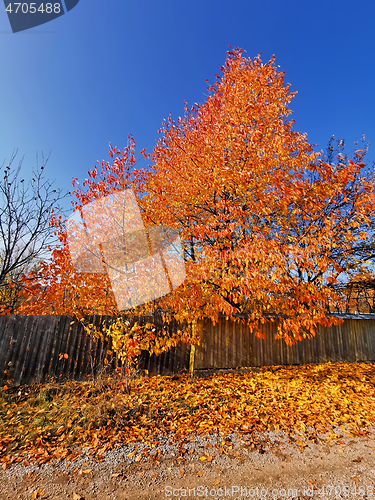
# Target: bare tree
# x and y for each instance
(25, 233)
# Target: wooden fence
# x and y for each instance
(31, 348)
(230, 345)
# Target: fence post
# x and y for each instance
(191, 363)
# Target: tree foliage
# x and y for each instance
(268, 225)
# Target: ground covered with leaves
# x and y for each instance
(46, 422)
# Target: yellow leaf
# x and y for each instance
(37, 493)
(199, 473)
(203, 458)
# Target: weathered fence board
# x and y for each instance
(31, 347)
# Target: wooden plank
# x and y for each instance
(14, 352)
(50, 346)
(370, 333)
(241, 359)
(19, 355)
(4, 325)
(73, 347)
(230, 340)
(37, 371)
(7, 340)
(54, 365)
(202, 350)
(77, 368)
(270, 356)
(99, 348)
(236, 345)
(37, 329)
(61, 347)
(277, 346)
(45, 347)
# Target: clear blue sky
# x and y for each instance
(113, 67)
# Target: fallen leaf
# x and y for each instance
(4, 466)
(76, 496)
(216, 482)
(155, 475)
(358, 459)
(203, 458)
(86, 471)
(38, 493)
(138, 458)
(341, 442)
(182, 472)
(355, 478)
(199, 473)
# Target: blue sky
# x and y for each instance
(110, 68)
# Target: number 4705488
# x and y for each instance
(25, 8)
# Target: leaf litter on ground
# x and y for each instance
(54, 421)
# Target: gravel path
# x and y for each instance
(263, 465)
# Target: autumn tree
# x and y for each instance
(259, 213)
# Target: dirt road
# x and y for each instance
(337, 466)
